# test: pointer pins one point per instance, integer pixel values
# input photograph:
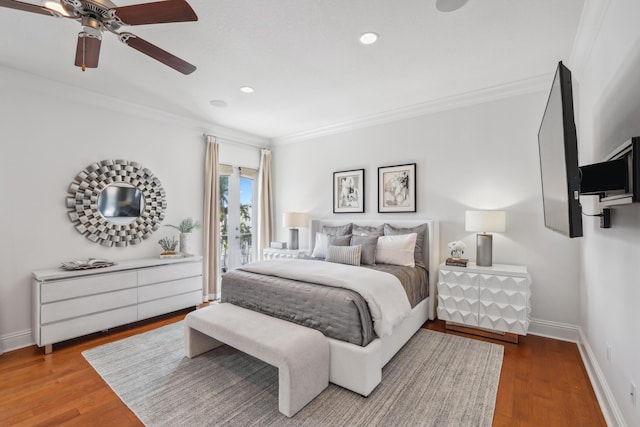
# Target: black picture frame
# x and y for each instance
(348, 191)
(397, 188)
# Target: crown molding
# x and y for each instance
(507, 90)
(90, 98)
(591, 21)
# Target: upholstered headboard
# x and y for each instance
(430, 251)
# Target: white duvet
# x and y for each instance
(383, 292)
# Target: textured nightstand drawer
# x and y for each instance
(494, 298)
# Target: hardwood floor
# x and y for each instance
(543, 383)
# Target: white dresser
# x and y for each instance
(495, 298)
(69, 304)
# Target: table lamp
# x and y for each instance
(485, 221)
(293, 221)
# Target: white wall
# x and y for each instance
(48, 134)
(479, 157)
(609, 93)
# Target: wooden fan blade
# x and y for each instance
(26, 7)
(158, 54)
(160, 12)
(87, 51)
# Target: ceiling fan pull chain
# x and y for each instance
(84, 44)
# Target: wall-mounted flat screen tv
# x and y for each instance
(559, 169)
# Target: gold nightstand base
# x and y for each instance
(496, 335)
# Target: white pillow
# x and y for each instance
(320, 248)
(397, 250)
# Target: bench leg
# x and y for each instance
(196, 343)
(302, 378)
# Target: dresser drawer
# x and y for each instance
(167, 289)
(76, 307)
(60, 331)
(166, 305)
(82, 286)
(170, 272)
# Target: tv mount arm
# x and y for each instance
(605, 217)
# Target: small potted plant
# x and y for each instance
(168, 247)
(185, 228)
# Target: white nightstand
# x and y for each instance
(271, 253)
(495, 299)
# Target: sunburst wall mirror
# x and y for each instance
(116, 203)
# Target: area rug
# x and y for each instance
(435, 380)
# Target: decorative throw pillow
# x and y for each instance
(320, 247)
(397, 250)
(369, 245)
(339, 240)
(344, 254)
(365, 230)
(338, 230)
(324, 240)
(420, 230)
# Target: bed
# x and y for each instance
(363, 333)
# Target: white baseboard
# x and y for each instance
(16, 340)
(608, 405)
(555, 330)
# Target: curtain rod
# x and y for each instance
(233, 141)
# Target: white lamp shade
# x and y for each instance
(485, 221)
(295, 220)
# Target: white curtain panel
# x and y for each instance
(265, 203)
(211, 221)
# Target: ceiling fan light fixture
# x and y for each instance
(368, 38)
(56, 7)
(450, 5)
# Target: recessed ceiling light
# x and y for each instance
(246, 89)
(368, 38)
(218, 103)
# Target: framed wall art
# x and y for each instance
(348, 191)
(397, 188)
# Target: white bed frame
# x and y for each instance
(357, 368)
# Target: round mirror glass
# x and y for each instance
(120, 203)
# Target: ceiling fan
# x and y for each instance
(99, 15)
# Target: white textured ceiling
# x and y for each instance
(303, 56)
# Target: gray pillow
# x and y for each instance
(365, 230)
(338, 230)
(344, 254)
(418, 253)
(339, 240)
(368, 251)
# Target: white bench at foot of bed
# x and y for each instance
(301, 354)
